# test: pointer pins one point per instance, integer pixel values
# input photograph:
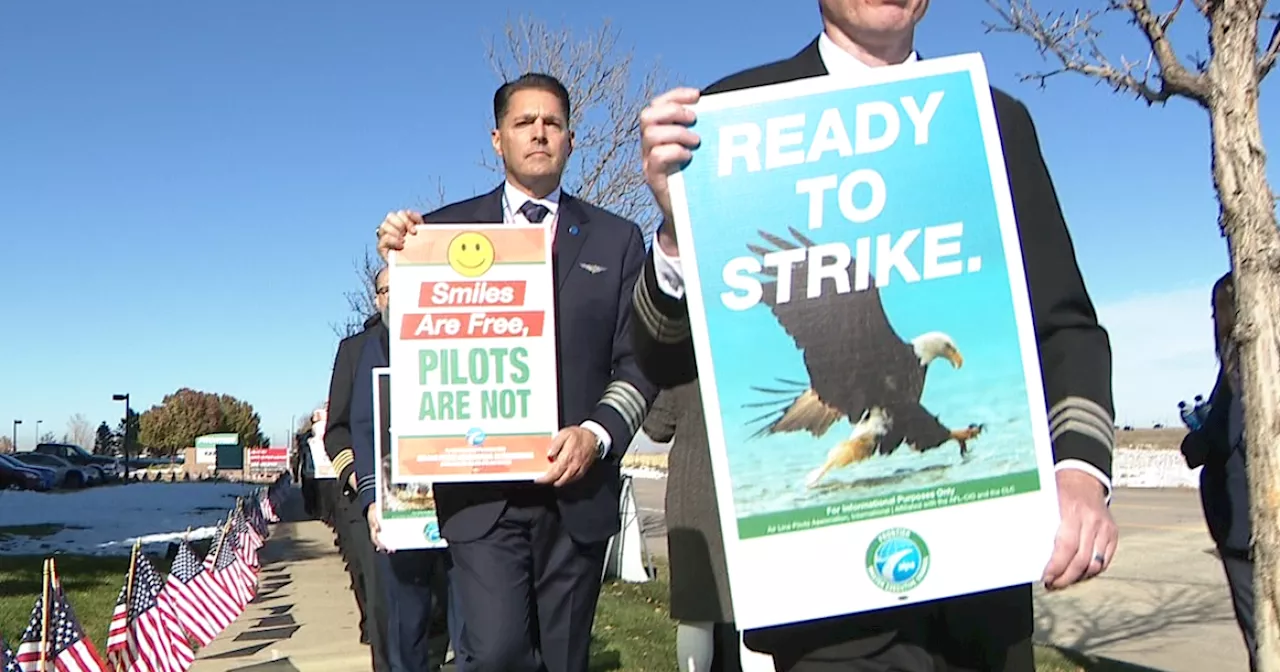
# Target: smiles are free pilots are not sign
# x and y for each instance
(478, 330)
(471, 254)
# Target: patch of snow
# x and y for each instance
(108, 520)
(1152, 469)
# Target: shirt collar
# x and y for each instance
(516, 199)
(840, 62)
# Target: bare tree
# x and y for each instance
(360, 301)
(80, 431)
(606, 93)
(1226, 86)
(6, 444)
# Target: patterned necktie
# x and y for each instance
(534, 212)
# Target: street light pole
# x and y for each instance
(125, 399)
(38, 430)
(15, 434)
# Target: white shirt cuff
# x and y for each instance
(601, 433)
(669, 272)
(1088, 469)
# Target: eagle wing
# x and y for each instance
(851, 351)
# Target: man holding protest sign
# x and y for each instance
(528, 557)
(984, 631)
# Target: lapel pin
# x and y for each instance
(573, 229)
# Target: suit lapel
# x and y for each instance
(571, 233)
(489, 208)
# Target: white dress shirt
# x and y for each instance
(512, 200)
(839, 63)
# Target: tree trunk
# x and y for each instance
(1249, 220)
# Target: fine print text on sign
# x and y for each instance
(407, 511)
(473, 357)
(864, 343)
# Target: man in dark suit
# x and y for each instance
(407, 579)
(528, 557)
(353, 531)
(987, 631)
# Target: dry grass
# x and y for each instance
(645, 461)
(1150, 439)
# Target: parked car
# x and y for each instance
(69, 475)
(110, 467)
(14, 473)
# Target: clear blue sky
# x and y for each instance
(184, 186)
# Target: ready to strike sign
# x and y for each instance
(473, 356)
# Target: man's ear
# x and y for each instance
(572, 137)
(495, 137)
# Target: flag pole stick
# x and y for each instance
(128, 586)
(44, 617)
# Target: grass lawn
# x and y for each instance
(92, 585)
(633, 631)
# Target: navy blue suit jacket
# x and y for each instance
(1224, 483)
(598, 257)
(373, 354)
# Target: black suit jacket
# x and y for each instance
(599, 378)
(337, 433)
(1075, 351)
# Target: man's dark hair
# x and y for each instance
(530, 80)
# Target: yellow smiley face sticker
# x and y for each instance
(471, 254)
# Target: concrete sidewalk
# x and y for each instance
(1163, 605)
(304, 617)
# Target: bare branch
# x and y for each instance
(1268, 60)
(361, 302)
(606, 94)
(1073, 41)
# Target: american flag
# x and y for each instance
(202, 609)
(250, 540)
(267, 506)
(256, 520)
(8, 661)
(236, 578)
(69, 649)
(155, 640)
(118, 629)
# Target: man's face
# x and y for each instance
(533, 138)
(875, 20)
(382, 292)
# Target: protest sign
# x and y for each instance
(473, 354)
(864, 343)
(407, 511)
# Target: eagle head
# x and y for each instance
(936, 344)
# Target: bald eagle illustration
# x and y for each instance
(859, 367)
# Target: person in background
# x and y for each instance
(409, 585)
(706, 640)
(985, 631)
(324, 475)
(1218, 446)
(353, 530)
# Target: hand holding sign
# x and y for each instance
(666, 144)
(572, 453)
(394, 228)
